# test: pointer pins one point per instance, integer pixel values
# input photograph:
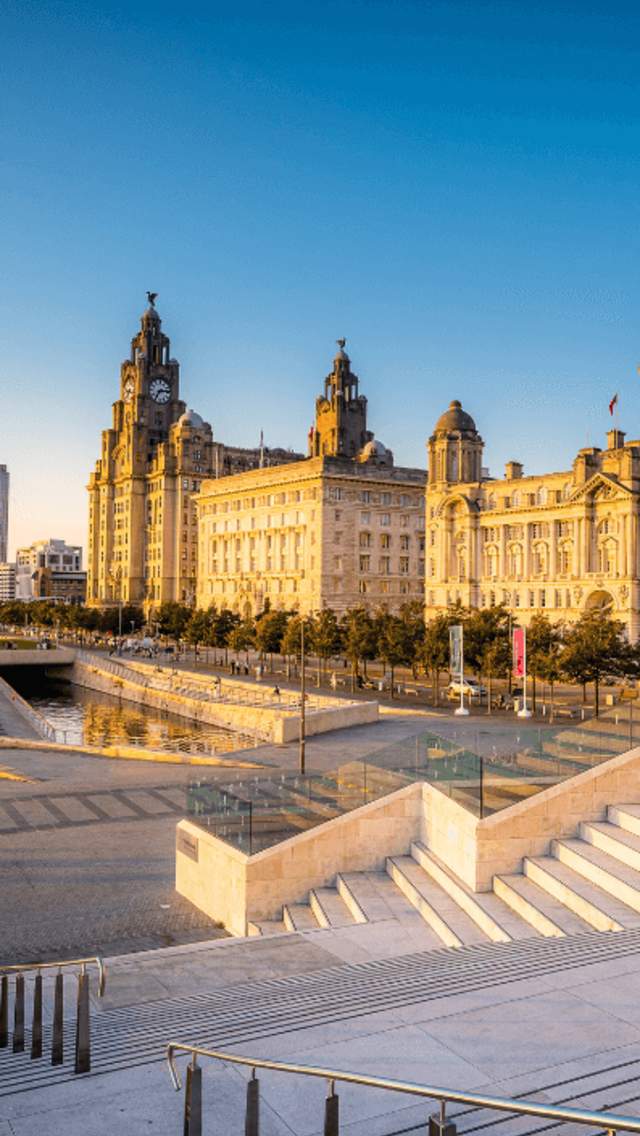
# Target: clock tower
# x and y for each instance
(142, 520)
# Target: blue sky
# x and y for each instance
(453, 186)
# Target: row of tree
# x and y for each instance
(588, 651)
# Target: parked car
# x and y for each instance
(470, 689)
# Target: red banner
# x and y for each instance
(519, 652)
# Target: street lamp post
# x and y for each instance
(302, 700)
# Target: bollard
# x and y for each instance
(252, 1118)
(36, 1028)
(57, 1035)
(83, 1028)
(4, 1012)
(18, 1016)
(332, 1113)
(193, 1101)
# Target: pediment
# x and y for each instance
(600, 487)
(457, 499)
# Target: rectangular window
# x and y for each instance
(365, 518)
(385, 540)
(365, 540)
(404, 565)
(365, 496)
(365, 563)
(385, 518)
(385, 565)
(385, 498)
(532, 599)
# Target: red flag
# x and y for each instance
(519, 648)
(613, 403)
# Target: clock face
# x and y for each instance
(128, 389)
(160, 390)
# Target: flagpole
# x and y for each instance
(462, 709)
(525, 712)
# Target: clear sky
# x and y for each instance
(453, 186)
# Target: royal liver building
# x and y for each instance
(142, 516)
(563, 543)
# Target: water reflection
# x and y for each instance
(88, 716)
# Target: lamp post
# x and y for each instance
(302, 700)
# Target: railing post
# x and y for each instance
(83, 1030)
(332, 1112)
(18, 1016)
(252, 1118)
(193, 1100)
(36, 1027)
(57, 1036)
(439, 1125)
(4, 1011)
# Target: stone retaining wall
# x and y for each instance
(265, 724)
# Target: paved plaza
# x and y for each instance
(87, 844)
(554, 1021)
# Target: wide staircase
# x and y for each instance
(590, 882)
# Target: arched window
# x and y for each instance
(541, 495)
(565, 558)
(515, 499)
(607, 558)
(514, 561)
(491, 562)
(540, 559)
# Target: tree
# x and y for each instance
(242, 637)
(222, 623)
(434, 651)
(412, 615)
(359, 637)
(486, 643)
(291, 640)
(269, 630)
(543, 644)
(172, 619)
(198, 629)
(395, 642)
(326, 639)
(594, 648)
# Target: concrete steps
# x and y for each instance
(546, 914)
(451, 924)
(299, 917)
(496, 919)
(590, 904)
(329, 908)
(587, 883)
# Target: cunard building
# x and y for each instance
(344, 527)
(563, 543)
(142, 518)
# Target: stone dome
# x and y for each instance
(150, 315)
(190, 418)
(455, 418)
(375, 451)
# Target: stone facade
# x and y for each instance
(563, 543)
(344, 527)
(50, 569)
(142, 520)
(7, 582)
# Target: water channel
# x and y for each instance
(88, 716)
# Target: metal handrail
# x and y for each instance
(608, 1120)
(19, 968)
